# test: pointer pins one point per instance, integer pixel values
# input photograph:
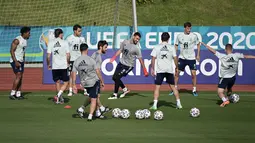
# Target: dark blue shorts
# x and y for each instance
(183, 63)
(160, 77)
(94, 90)
(226, 82)
(122, 70)
(20, 69)
(60, 74)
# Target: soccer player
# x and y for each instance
(130, 51)
(91, 79)
(165, 54)
(17, 60)
(74, 41)
(102, 48)
(187, 42)
(59, 50)
(228, 69)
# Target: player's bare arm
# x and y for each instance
(249, 56)
(198, 52)
(115, 55)
(48, 61)
(14, 45)
(209, 48)
(98, 71)
(153, 66)
(143, 66)
(68, 58)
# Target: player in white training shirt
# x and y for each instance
(59, 50)
(162, 57)
(74, 42)
(228, 69)
(17, 60)
(187, 57)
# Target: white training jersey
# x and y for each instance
(229, 64)
(20, 50)
(74, 43)
(59, 48)
(187, 43)
(164, 54)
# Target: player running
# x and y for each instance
(164, 53)
(187, 41)
(59, 50)
(91, 79)
(228, 69)
(130, 51)
(17, 60)
(74, 42)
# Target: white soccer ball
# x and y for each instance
(125, 114)
(158, 115)
(116, 112)
(234, 98)
(194, 112)
(147, 113)
(139, 114)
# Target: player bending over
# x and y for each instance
(130, 51)
(59, 50)
(187, 41)
(90, 77)
(74, 42)
(17, 60)
(164, 53)
(228, 69)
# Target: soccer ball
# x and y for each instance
(234, 98)
(116, 112)
(194, 112)
(125, 114)
(139, 114)
(158, 115)
(147, 113)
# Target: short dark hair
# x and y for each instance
(187, 24)
(165, 36)
(137, 34)
(101, 43)
(25, 29)
(57, 32)
(83, 47)
(229, 46)
(76, 26)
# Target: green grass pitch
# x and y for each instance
(37, 120)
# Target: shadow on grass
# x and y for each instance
(164, 103)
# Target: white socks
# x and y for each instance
(90, 116)
(124, 89)
(223, 99)
(102, 108)
(98, 113)
(155, 103)
(13, 92)
(194, 89)
(59, 93)
(178, 101)
(18, 94)
(70, 90)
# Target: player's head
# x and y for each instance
(84, 48)
(77, 30)
(136, 37)
(58, 33)
(187, 27)
(228, 48)
(102, 45)
(25, 32)
(165, 37)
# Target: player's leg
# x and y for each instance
(181, 67)
(93, 94)
(18, 93)
(158, 81)
(170, 81)
(124, 88)
(230, 85)
(221, 87)
(16, 81)
(65, 78)
(193, 69)
(70, 68)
